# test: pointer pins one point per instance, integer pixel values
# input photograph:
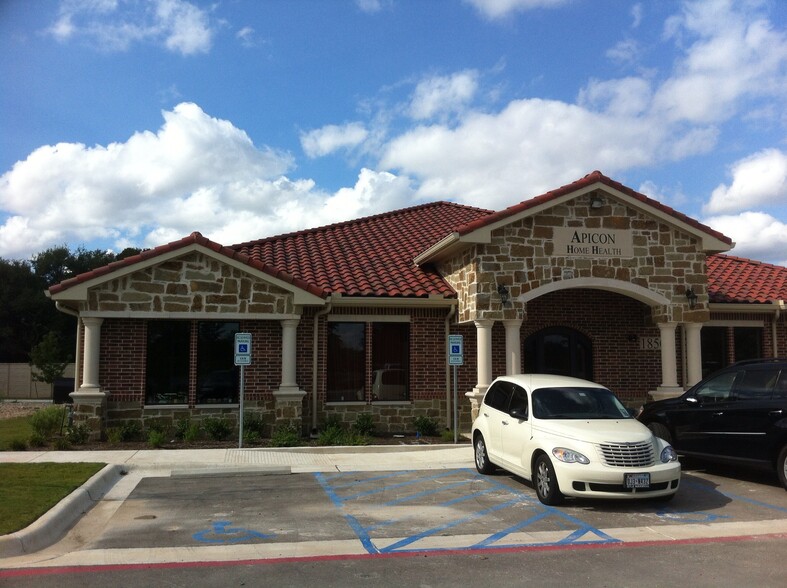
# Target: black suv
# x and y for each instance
(738, 414)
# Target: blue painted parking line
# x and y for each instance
(349, 497)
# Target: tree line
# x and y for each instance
(30, 325)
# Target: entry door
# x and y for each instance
(559, 350)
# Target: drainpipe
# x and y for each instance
(448, 411)
(315, 356)
(77, 362)
(779, 309)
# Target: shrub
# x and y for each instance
(364, 424)
(447, 435)
(286, 436)
(38, 440)
(114, 435)
(218, 429)
(47, 421)
(425, 425)
(192, 432)
(61, 444)
(156, 438)
(78, 434)
(18, 445)
(250, 437)
(181, 426)
(333, 433)
(131, 431)
(253, 422)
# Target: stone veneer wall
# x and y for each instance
(521, 257)
(193, 283)
(391, 418)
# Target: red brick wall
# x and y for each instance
(122, 367)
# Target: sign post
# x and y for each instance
(242, 358)
(456, 358)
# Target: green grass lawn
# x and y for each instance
(15, 428)
(29, 490)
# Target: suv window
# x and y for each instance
(780, 390)
(718, 389)
(518, 399)
(756, 384)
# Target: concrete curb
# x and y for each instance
(54, 524)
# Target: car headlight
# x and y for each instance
(569, 455)
(668, 454)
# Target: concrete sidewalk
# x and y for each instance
(53, 525)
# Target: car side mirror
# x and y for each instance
(519, 413)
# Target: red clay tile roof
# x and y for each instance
(588, 180)
(194, 238)
(735, 279)
(370, 256)
(373, 256)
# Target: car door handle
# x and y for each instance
(774, 413)
(718, 413)
(504, 423)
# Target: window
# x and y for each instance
(748, 343)
(498, 395)
(217, 376)
(346, 361)
(390, 361)
(756, 384)
(719, 389)
(389, 344)
(167, 374)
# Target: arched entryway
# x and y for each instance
(559, 350)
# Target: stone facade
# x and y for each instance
(522, 258)
(192, 284)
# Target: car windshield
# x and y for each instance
(577, 403)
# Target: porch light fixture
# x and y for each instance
(503, 291)
(596, 202)
(691, 297)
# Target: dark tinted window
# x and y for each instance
(346, 361)
(577, 403)
(390, 361)
(498, 395)
(756, 384)
(218, 378)
(780, 390)
(718, 388)
(167, 373)
(518, 399)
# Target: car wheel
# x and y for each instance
(660, 431)
(547, 488)
(482, 463)
(781, 466)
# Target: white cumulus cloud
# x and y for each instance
(443, 95)
(760, 179)
(326, 140)
(757, 235)
(500, 8)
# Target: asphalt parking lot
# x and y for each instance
(406, 511)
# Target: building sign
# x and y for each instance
(582, 242)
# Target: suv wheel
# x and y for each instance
(781, 466)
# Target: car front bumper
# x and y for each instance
(607, 482)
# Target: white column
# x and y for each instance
(289, 329)
(92, 356)
(693, 353)
(513, 346)
(484, 355)
(669, 368)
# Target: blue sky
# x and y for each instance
(135, 122)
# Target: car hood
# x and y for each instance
(596, 430)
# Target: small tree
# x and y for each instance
(45, 359)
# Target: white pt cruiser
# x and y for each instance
(571, 437)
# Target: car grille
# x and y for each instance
(627, 455)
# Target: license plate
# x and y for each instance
(636, 480)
